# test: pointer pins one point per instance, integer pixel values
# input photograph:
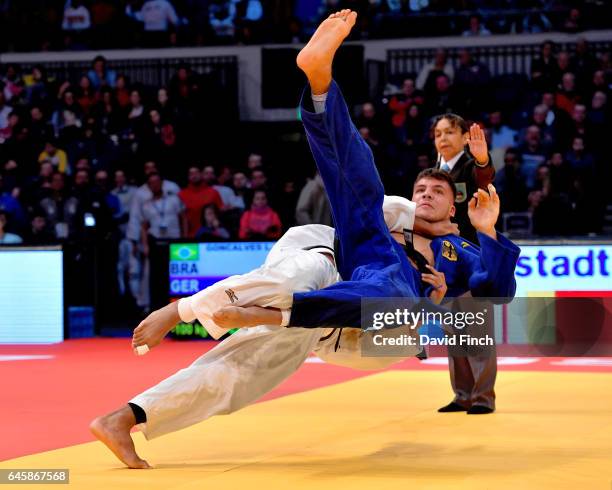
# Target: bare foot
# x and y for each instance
(251, 316)
(315, 59)
(114, 431)
(156, 326)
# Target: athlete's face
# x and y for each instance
(449, 139)
(434, 200)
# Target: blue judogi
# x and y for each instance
(372, 262)
(375, 263)
(486, 271)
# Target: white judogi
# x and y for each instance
(253, 361)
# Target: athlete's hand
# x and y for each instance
(483, 211)
(440, 228)
(438, 281)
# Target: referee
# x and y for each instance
(463, 153)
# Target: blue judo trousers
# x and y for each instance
(371, 262)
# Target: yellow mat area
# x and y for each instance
(552, 430)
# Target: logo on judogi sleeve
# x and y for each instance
(448, 251)
(461, 191)
(231, 295)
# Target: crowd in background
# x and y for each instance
(97, 24)
(547, 132)
(102, 160)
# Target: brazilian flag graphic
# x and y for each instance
(182, 251)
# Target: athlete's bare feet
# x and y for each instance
(250, 316)
(315, 59)
(114, 431)
(156, 326)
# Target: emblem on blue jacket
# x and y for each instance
(461, 191)
(448, 251)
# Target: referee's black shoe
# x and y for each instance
(479, 410)
(452, 407)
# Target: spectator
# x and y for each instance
(5, 237)
(541, 120)
(259, 181)
(240, 186)
(415, 126)
(227, 194)
(76, 16)
(544, 72)
(163, 215)
(100, 75)
(164, 105)
(122, 91)
(67, 109)
(471, 83)
(157, 16)
(106, 114)
(533, 154)
(40, 129)
(13, 178)
(558, 120)
(111, 200)
(440, 65)
(13, 84)
(368, 118)
(142, 195)
(38, 186)
(476, 28)
(225, 176)
(39, 233)
(196, 196)
(581, 162)
(87, 96)
(136, 116)
(399, 104)
(597, 116)
(211, 228)
(60, 208)
(573, 22)
(55, 155)
(582, 63)
(599, 83)
(567, 96)
(510, 183)
(536, 22)
(7, 132)
(313, 206)
(12, 208)
(579, 125)
(125, 194)
(5, 110)
(94, 217)
(443, 99)
(286, 201)
(222, 15)
(38, 87)
(254, 160)
(502, 136)
(561, 175)
(260, 222)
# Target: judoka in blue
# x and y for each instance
(375, 263)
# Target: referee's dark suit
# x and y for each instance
(472, 378)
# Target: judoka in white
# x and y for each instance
(253, 361)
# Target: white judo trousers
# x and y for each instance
(253, 361)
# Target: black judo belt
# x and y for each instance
(325, 337)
